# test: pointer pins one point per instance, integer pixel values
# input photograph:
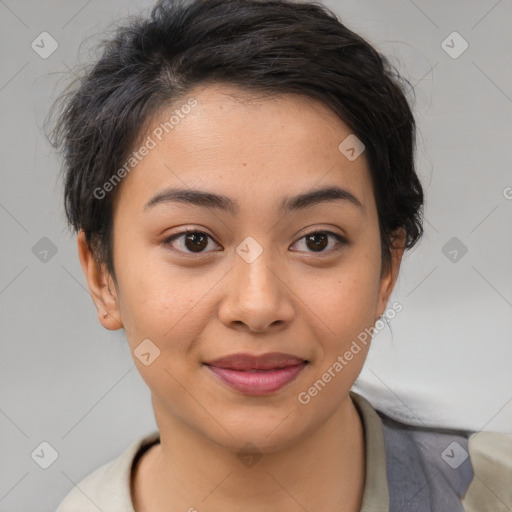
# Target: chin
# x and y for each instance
(262, 435)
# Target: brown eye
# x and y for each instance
(196, 241)
(317, 241)
(191, 241)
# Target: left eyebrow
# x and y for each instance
(221, 202)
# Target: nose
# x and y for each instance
(257, 296)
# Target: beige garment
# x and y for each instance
(491, 487)
(108, 487)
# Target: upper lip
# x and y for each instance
(245, 361)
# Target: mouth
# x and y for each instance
(250, 362)
(257, 375)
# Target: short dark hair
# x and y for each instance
(265, 46)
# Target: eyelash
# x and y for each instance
(167, 242)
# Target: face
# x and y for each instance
(259, 272)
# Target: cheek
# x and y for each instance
(170, 311)
(162, 302)
(344, 298)
(342, 308)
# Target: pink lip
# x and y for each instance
(247, 361)
(257, 382)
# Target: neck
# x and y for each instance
(186, 471)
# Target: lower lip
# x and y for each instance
(257, 382)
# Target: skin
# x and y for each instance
(200, 306)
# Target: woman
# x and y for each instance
(241, 178)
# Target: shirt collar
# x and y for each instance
(375, 493)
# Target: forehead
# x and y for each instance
(245, 145)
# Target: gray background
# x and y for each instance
(68, 382)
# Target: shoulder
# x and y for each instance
(427, 468)
(107, 488)
(491, 488)
(447, 469)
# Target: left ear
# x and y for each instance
(387, 282)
